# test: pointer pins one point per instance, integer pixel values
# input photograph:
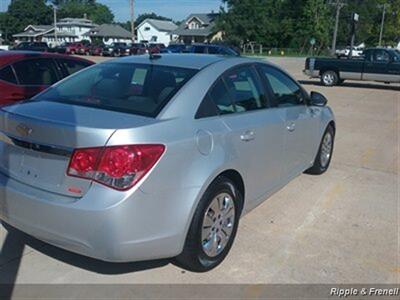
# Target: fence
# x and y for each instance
(260, 50)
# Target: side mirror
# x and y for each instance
(317, 99)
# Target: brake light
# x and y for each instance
(119, 167)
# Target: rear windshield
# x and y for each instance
(142, 89)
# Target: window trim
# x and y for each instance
(274, 103)
(266, 93)
(15, 75)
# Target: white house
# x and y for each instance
(68, 30)
(199, 28)
(76, 26)
(156, 31)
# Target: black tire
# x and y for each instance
(329, 78)
(318, 167)
(341, 81)
(193, 257)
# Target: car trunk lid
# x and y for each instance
(37, 139)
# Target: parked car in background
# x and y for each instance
(211, 49)
(377, 64)
(97, 151)
(84, 49)
(61, 49)
(138, 49)
(155, 48)
(32, 46)
(23, 74)
(116, 49)
(174, 48)
(78, 48)
(96, 50)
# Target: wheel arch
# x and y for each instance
(237, 179)
(334, 69)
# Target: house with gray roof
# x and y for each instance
(156, 31)
(198, 28)
(109, 33)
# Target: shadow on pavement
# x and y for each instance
(87, 263)
(356, 85)
(11, 252)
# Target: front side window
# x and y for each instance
(36, 72)
(286, 91)
(133, 88)
(245, 89)
(7, 74)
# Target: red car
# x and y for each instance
(24, 74)
(77, 48)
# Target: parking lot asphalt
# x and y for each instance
(341, 227)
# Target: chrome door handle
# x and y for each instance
(247, 136)
(291, 126)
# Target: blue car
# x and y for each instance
(174, 48)
(201, 49)
(212, 49)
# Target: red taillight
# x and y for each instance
(119, 167)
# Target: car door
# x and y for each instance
(301, 121)
(376, 66)
(35, 75)
(256, 133)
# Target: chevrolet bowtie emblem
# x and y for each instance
(24, 130)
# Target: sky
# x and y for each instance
(175, 9)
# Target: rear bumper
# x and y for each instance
(311, 73)
(134, 227)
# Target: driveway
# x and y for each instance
(342, 227)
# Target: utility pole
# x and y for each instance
(382, 25)
(132, 3)
(55, 24)
(339, 4)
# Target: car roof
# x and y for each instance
(7, 57)
(189, 61)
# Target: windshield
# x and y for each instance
(142, 89)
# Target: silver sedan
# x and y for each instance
(153, 157)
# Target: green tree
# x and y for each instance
(21, 13)
(98, 13)
(315, 22)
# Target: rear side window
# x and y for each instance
(381, 56)
(36, 72)
(221, 98)
(134, 88)
(245, 89)
(286, 91)
(7, 74)
(72, 66)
